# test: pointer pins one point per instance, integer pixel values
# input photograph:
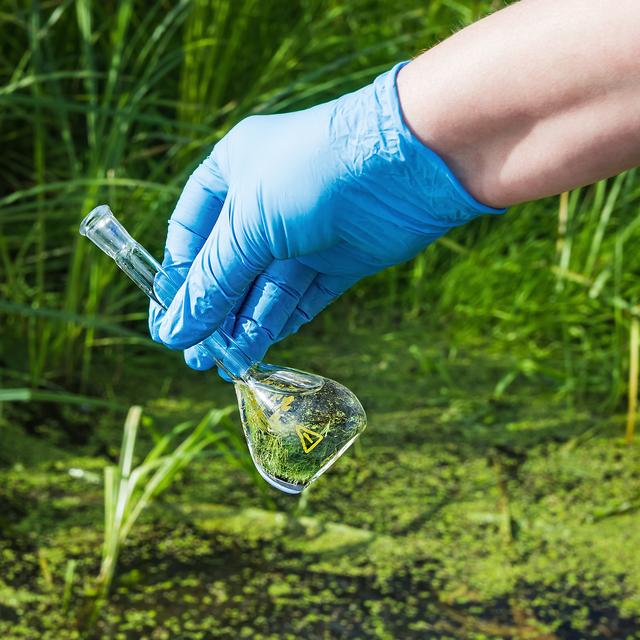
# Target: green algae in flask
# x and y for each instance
(295, 437)
(296, 424)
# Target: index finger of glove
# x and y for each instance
(190, 224)
(196, 212)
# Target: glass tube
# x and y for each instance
(106, 232)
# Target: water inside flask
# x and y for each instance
(295, 437)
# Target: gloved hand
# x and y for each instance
(291, 210)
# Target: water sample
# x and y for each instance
(297, 424)
(295, 437)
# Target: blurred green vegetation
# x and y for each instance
(117, 103)
(491, 496)
(460, 515)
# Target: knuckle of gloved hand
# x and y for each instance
(170, 332)
(201, 310)
(254, 343)
(198, 360)
(326, 292)
(196, 181)
(246, 126)
(274, 288)
(257, 330)
(301, 316)
(212, 169)
(154, 328)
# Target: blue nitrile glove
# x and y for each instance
(290, 210)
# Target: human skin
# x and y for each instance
(536, 99)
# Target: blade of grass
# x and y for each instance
(69, 577)
(25, 394)
(632, 408)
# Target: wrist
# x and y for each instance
(423, 175)
(455, 134)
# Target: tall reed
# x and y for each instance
(120, 102)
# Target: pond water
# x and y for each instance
(458, 514)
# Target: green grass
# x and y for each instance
(119, 106)
(129, 489)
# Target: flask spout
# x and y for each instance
(104, 230)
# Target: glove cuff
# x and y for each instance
(437, 185)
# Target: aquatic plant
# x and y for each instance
(129, 489)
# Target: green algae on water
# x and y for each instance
(294, 438)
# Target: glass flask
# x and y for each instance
(297, 424)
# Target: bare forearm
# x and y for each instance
(538, 98)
